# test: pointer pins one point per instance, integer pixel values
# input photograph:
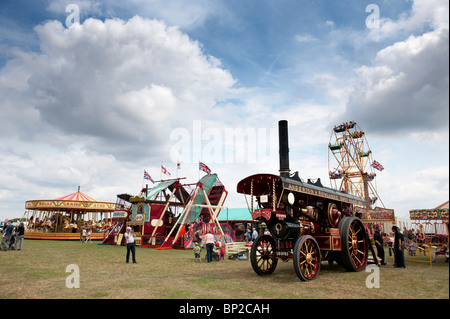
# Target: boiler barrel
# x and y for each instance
(285, 230)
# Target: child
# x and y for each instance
(412, 248)
(222, 252)
(197, 252)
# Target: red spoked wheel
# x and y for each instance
(355, 244)
(307, 258)
(262, 255)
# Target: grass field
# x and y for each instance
(39, 272)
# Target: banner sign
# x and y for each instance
(316, 191)
(69, 205)
(429, 214)
(376, 215)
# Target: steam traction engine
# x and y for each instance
(307, 222)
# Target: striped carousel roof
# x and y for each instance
(78, 196)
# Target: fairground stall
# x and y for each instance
(113, 235)
(431, 224)
(66, 217)
(382, 217)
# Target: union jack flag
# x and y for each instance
(147, 176)
(377, 165)
(165, 171)
(203, 167)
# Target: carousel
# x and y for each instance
(432, 224)
(66, 217)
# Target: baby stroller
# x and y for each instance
(216, 253)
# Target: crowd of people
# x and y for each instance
(210, 244)
(415, 241)
(13, 236)
(215, 247)
(408, 242)
(399, 244)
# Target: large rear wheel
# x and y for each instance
(354, 244)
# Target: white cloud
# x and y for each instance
(407, 87)
(423, 189)
(424, 13)
(304, 38)
(113, 83)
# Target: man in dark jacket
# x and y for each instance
(378, 239)
(399, 258)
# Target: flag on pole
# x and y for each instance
(165, 171)
(203, 167)
(377, 165)
(147, 176)
(178, 165)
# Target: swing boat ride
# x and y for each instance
(168, 215)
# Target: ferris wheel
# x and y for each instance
(350, 163)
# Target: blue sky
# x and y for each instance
(96, 103)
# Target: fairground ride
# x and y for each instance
(350, 163)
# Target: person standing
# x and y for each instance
(248, 236)
(197, 252)
(209, 243)
(197, 237)
(399, 257)
(20, 236)
(254, 234)
(378, 239)
(7, 233)
(83, 235)
(222, 252)
(131, 245)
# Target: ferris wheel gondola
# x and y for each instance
(350, 163)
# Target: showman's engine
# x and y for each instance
(307, 221)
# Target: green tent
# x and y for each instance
(241, 214)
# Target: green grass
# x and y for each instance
(39, 271)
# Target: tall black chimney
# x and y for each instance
(283, 148)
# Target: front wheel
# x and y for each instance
(307, 258)
(262, 255)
